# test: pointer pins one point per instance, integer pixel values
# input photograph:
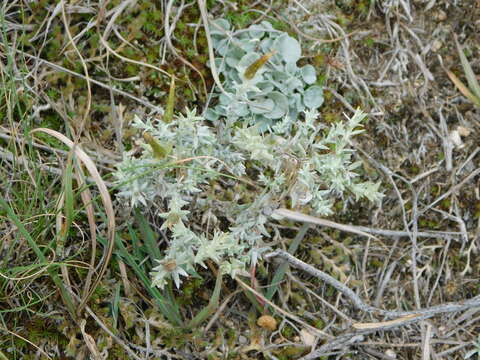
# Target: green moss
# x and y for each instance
(343, 20)
(239, 20)
(232, 337)
(40, 331)
(280, 25)
(101, 293)
(181, 26)
(369, 42)
(288, 332)
(174, 337)
(189, 291)
(190, 52)
(319, 323)
(117, 353)
(376, 263)
(446, 204)
(477, 210)
(184, 42)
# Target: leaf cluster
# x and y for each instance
(262, 80)
(189, 170)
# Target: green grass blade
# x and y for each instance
(253, 300)
(38, 252)
(282, 269)
(68, 206)
(469, 74)
(168, 309)
(115, 306)
(211, 307)
(463, 89)
(149, 237)
(27, 306)
(168, 117)
(137, 248)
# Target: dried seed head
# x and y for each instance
(170, 265)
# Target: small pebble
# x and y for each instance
(437, 45)
(391, 353)
(242, 340)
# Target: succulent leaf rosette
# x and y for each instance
(278, 88)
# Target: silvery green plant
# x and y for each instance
(261, 79)
(194, 173)
(311, 168)
(191, 159)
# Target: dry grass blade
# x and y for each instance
(90, 342)
(93, 81)
(106, 200)
(85, 70)
(297, 216)
(112, 335)
(104, 43)
(314, 330)
(168, 32)
(86, 197)
(472, 92)
(472, 80)
(203, 11)
(383, 324)
(462, 88)
(41, 351)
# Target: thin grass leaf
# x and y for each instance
(39, 350)
(106, 201)
(27, 306)
(87, 201)
(211, 307)
(297, 216)
(151, 247)
(159, 151)
(282, 269)
(168, 116)
(168, 309)
(253, 300)
(469, 74)
(463, 89)
(68, 203)
(137, 248)
(38, 252)
(148, 235)
(115, 305)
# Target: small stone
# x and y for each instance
(242, 340)
(308, 338)
(391, 353)
(436, 45)
(456, 139)
(463, 131)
